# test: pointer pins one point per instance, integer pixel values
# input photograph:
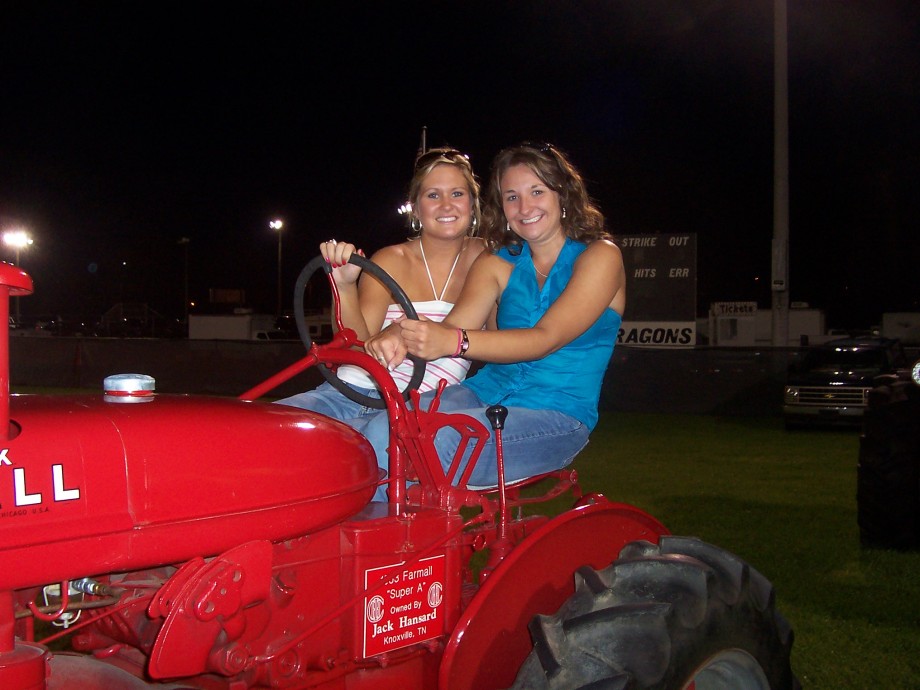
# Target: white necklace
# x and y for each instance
(439, 298)
(545, 275)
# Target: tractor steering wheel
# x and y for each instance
(418, 370)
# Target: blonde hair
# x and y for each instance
(427, 162)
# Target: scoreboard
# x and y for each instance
(660, 290)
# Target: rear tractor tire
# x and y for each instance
(680, 615)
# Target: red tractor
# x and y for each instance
(168, 541)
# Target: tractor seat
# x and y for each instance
(565, 478)
(516, 484)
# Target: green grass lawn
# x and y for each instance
(786, 503)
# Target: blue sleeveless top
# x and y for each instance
(568, 380)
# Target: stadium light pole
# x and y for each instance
(184, 242)
(18, 240)
(277, 225)
(780, 280)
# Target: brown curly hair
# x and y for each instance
(583, 220)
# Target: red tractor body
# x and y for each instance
(193, 542)
(165, 480)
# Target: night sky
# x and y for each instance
(125, 126)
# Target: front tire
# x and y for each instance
(682, 614)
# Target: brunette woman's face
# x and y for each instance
(532, 208)
(444, 203)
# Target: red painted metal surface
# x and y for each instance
(491, 641)
(24, 667)
(16, 282)
(90, 486)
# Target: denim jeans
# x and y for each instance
(533, 441)
(328, 401)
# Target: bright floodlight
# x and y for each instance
(18, 239)
(275, 224)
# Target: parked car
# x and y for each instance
(831, 382)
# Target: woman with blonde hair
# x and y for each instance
(431, 267)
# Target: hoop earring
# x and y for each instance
(563, 211)
(416, 224)
(508, 227)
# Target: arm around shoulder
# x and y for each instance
(484, 283)
(597, 283)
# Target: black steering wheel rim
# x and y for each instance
(418, 368)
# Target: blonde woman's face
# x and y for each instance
(444, 202)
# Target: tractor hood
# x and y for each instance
(163, 480)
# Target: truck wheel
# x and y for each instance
(888, 472)
(683, 614)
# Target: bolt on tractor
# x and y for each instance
(168, 541)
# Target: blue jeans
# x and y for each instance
(328, 401)
(533, 441)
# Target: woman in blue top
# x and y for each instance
(554, 284)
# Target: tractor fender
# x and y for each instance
(491, 639)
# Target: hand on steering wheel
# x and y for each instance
(337, 255)
(387, 347)
(418, 371)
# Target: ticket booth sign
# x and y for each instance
(735, 309)
(733, 323)
(409, 608)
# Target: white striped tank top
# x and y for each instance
(451, 369)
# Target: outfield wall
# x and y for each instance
(731, 381)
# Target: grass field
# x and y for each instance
(786, 503)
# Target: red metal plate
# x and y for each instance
(491, 641)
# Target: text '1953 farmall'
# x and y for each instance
(169, 541)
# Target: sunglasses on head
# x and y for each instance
(541, 146)
(453, 155)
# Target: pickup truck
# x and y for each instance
(829, 384)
